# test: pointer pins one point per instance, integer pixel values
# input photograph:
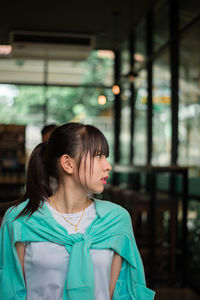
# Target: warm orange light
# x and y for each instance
(5, 49)
(102, 100)
(139, 57)
(116, 89)
(106, 54)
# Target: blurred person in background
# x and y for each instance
(46, 131)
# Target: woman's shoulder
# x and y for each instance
(14, 211)
(106, 206)
(108, 210)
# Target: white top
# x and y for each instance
(46, 263)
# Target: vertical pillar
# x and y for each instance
(174, 67)
(152, 229)
(151, 177)
(184, 228)
(149, 43)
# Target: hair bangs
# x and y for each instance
(90, 141)
(101, 146)
(96, 142)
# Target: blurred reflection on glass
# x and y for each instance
(140, 132)
(189, 107)
(161, 110)
(140, 45)
(125, 108)
(125, 58)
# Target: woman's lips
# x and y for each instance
(104, 180)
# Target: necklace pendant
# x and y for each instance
(76, 228)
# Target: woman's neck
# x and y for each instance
(70, 200)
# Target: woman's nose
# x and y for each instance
(108, 166)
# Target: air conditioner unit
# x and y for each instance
(54, 46)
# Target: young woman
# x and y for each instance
(67, 245)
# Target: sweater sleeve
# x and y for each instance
(11, 277)
(131, 284)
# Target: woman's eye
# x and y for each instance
(98, 155)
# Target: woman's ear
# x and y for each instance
(67, 163)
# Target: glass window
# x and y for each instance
(140, 45)
(140, 131)
(33, 105)
(30, 105)
(96, 70)
(125, 108)
(21, 71)
(161, 110)
(125, 124)
(161, 24)
(125, 58)
(189, 107)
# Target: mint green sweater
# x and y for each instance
(111, 229)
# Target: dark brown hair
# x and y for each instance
(76, 140)
(48, 128)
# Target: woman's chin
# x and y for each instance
(98, 191)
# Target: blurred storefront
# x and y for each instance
(163, 52)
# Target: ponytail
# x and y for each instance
(37, 182)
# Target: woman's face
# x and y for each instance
(93, 173)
